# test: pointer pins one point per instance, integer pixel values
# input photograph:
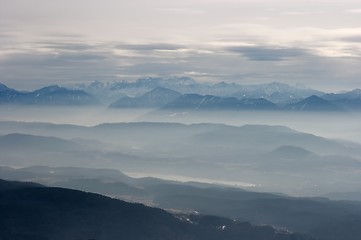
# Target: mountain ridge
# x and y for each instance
(314, 103)
(59, 213)
(155, 98)
(53, 95)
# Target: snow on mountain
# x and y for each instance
(278, 93)
(157, 97)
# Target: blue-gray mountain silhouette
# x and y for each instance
(313, 103)
(349, 100)
(157, 97)
(209, 102)
(51, 95)
(38, 213)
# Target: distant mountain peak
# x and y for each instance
(291, 151)
(52, 88)
(161, 90)
(4, 87)
(313, 103)
(49, 95)
(157, 97)
(210, 102)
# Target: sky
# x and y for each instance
(316, 43)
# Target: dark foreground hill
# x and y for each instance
(33, 212)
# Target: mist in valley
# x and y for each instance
(300, 154)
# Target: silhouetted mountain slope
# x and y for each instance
(157, 97)
(102, 91)
(56, 213)
(354, 94)
(76, 172)
(47, 96)
(261, 137)
(349, 100)
(56, 95)
(287, 151)
(11, 185)
(102, 187)
(8, 95)
(310, 215)
(350, 196)
(29, 150)
(257, 104)
(313, 103)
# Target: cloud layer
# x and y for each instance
(65, 42)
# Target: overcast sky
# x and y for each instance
(316, 43)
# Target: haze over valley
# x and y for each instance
(281, 146)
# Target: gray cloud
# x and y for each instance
(356, 38)
(32, 70)
(150, 47)
(52, 62)
(66, 46)
(260, 53)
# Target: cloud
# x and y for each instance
(356, 39)
(261, 53)
(150, 47)
(29, 70)
(55, 61)
(66, 46)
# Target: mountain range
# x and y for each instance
(185, 93)
(275, 92)
(209, 102)
(47, 96)
(155, 98)
(349, 100)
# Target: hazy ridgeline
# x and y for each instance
(251, 149)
